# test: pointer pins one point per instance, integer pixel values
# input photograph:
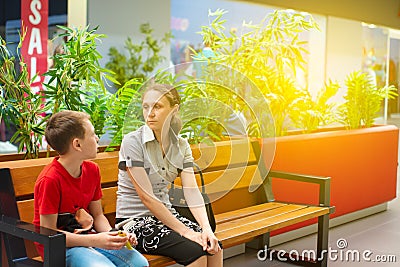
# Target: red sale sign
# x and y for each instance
(34, 22)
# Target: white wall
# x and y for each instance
(316, 59)
(119, 19)
(344, 49)
(77, 13)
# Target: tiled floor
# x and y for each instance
(379, 234)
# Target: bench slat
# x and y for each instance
(24, 179)
(234, 152)
(26, 210)
(285, 209)
(159, 261)
(249, 228)
(108, 201)
(25, 172)
(237, 214)
(226, 180)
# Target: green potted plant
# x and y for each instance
(142, 57)
(20, 106)
(76, 81)
(360, 157)
(363, 100)
(268, 54)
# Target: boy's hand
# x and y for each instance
(110, 240)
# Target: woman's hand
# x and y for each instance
(194, 236)
(210, 241)
(110, 240)
(132, 239)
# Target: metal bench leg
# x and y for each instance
(1, 248)
(54, 252)
(322, 240)
(260, 242)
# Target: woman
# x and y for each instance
(154, 155)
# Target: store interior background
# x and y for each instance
(354, 34)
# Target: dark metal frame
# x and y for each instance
(13, 232)
(324, 201)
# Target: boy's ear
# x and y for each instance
(76, 144)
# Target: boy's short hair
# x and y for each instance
(64, 126)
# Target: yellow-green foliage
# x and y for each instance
(363, 100)
(269, 54)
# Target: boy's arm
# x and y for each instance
(100, 222)
(102, 240)
(50, 221)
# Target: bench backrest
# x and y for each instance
(25, 172)
(230, 169)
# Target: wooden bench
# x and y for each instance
(233, 171)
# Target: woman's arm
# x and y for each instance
(196, 204)
(144, 189)
(193, 197)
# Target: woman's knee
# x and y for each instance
(201, 261)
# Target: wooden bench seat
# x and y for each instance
(259, 221)
(236, 180)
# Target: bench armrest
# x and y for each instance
(324, 183)
(53, 241)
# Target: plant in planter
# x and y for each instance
(363, 100)
(20, 106)
(76, 81)
(308, 114)
(202, 112)
(124, 115)
(142, 59)
(130, 72)
(269, 54)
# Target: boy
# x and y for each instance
(71, 184)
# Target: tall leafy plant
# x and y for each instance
(269, 54)
(202, 126)
(142, 57)
(20, 106)
(309, 113)
(363, 100)
(76, 81)
(124, 112)
(124, 109)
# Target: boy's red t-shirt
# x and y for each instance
(56, 191)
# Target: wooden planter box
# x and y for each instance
(42, 154)
(362, 164)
